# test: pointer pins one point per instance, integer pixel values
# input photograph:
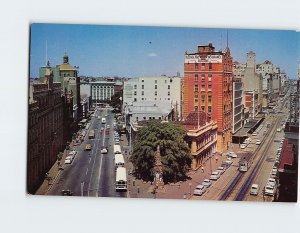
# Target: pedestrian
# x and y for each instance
(202, 169)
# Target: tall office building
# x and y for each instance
(207, 87)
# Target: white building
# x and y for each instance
(161, 88)
(102, 90)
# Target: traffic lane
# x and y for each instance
(265, 171)
(92, 178)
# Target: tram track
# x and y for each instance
(238, 178)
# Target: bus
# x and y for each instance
(119, 161)
(121, 179)
(91, 134)
(117, 149)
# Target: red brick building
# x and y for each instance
(207, 87)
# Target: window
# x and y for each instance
(209, 86)
(202, 98)
(202, 108)
(137, 118)
(209, 77)
(168, 93)
(168, 87)
(196, 66)
(203, 78)
(196, 108)
(209, 98)
(142, 92)
(196, 88)
(135, 87)
(142, 86)
(202, 66)
(196, 95)
(209, 109)
(144, 118)
(155, 93)
(142, 80)
(209, 66)
(196, 77)
(134, 99)
(196, 100)
(155, 87)
(134, 92)
(155, 81)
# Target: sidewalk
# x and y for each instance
(179, 190)
(54, 173)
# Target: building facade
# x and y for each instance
(45, 129)
(67, 75)
(102, 91)
(207, 87)
(252, 83)
(237, 105)
(201, 136)
(155, 89)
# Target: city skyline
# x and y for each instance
(151, 51)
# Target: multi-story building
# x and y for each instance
(67, 75)
(201, 136)
(102, 91)
(155, 89)
(288, 166)
(237, 105)
(207, 87)
(252, 83)
(45, 129)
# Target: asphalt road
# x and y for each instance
(92, 173)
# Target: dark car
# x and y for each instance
(67, 192)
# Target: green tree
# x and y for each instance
(175, 153)
(116, 101)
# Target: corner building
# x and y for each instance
(207, 87)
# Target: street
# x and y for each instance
(91, 173)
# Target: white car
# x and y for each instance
(207, 183)
(104, 150)
(69, 159)
(108, 126)
(269, 190)
(221, 170)
(254, 189)
(214, 175)
(258, 142)
(254, 134)
(271, 182)
(243, 146)
(199, 190)
(232, 154)
(278, 130)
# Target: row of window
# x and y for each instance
(203, 88)
(155, 93)
(155, 86)
(135, 99)
(102, 87)
(209, 108)
(156, 81)
(203, 66)
(202, 77)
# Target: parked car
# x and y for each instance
(258, 142)
(254, 134)
(254, 189)
(199, 190)
(214, 175)
(221, 170)
(69, 159)
(243, 146)
(232, 154)
(207, 183)
(271, 181)
(278, 130)
(269, 190)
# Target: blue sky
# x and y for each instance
(133, 51)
